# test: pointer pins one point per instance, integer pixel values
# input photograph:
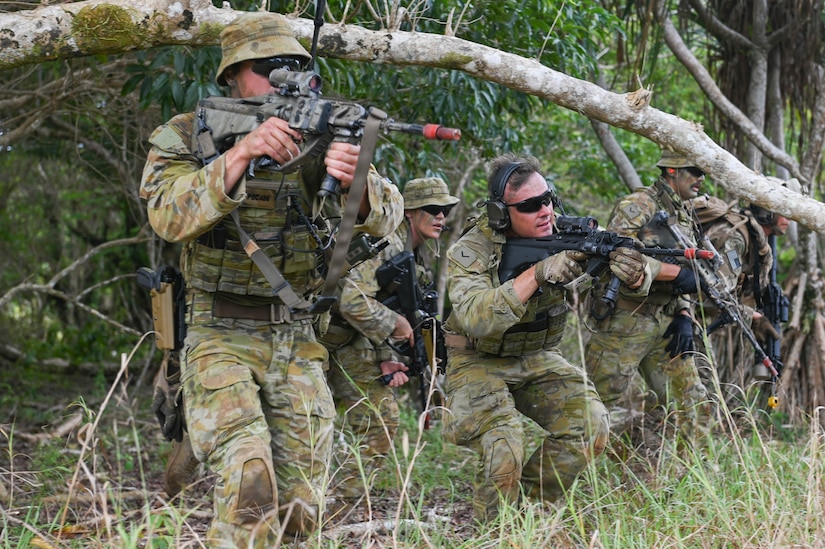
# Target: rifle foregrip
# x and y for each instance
(611, 293)
(329, 186)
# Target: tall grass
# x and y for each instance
(100, 487)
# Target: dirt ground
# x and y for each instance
(48, 477)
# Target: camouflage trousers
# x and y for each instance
(488, 398)
(371, 414)
(629, 342)
(260, 415)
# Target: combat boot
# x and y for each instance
(181, 466)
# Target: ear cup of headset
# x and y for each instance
(498, 217)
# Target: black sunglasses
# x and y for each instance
(695, 172)
(532, 205)
(435, 210)
(266, 66)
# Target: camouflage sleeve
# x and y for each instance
(479, 309)
(358, 305)
(631, 214)
(733, 252)
(184, 199)
(386, 206)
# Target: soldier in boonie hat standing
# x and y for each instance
(364, 369)
(258, 408)
(653, 334)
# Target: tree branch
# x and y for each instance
(165, 23)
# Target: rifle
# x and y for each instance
(579, 234)
(397, 277)
(775, 307)
(168, 294)
(719, 292)
(221, 121)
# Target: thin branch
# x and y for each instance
(712, 91)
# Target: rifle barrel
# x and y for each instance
(430, 131)
(689, 253)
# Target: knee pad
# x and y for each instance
(258, 492)
(502, 464)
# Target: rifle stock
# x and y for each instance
(168, 293)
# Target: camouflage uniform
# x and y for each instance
(354, 374)
(743, 245)
(747, 260)
(258, 409)
(504, 364)
(632, 338)
(357, 341)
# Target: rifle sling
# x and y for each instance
(279, 284)
(356, 193)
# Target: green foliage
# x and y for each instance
(174, 78)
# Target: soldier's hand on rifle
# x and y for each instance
(273, 138)
(559, 268)
(340, 161)
(685, 282)
(628, 265)
(762, 328)
(393, 373)
(680, 331)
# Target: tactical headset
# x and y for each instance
(497, 214)
(499, 218)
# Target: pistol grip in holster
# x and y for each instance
(168, 295)
(163, 315)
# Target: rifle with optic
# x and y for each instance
(580, 234)
(221, 121)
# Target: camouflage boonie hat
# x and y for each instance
(427, 191)
(257, 35)
(671, 159)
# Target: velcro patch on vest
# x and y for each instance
(632, 211)
(260, 198)
(166, 139)
(733, 259)
(464, 256)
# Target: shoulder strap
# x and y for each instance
(356, 193)
(270, 271)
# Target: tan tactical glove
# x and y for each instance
(168, 399)
(560, 268)
(628, 265)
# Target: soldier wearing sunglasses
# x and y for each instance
(502, 348)
(364, 370)
(259, 411)
(653, 334)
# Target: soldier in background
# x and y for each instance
(746, 264)
(364, 368)
(502, 347)
(741, 236)
(653, 334)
